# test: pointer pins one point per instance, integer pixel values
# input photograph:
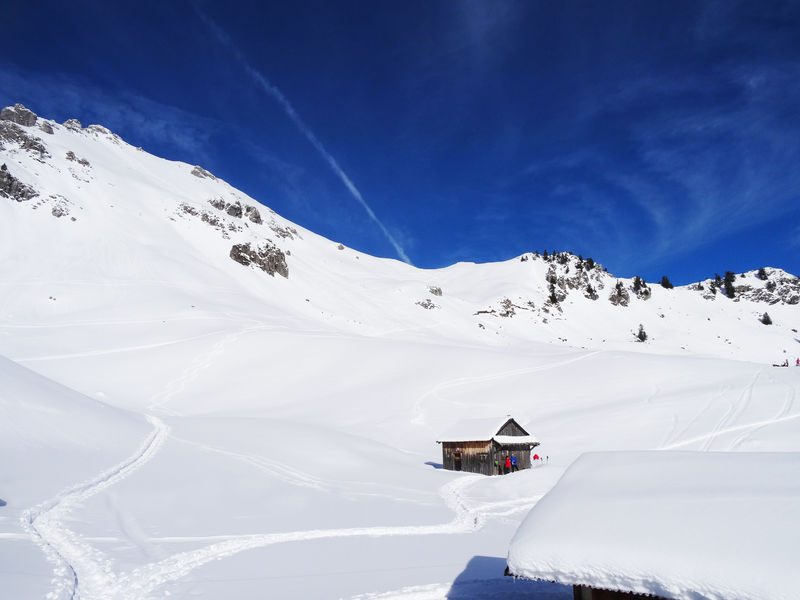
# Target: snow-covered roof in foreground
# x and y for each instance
(670, 524)
(475, 430)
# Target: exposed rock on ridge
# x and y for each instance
(267, 257)
(18, 114)
(11, 187)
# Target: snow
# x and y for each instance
(176, 423)
(515, 439)
(475, 430)
(669, 524)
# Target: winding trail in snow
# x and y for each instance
(141, 582)
(77, 563)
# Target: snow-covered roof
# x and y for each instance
(515, 439)
(670, 524)
(477, 430)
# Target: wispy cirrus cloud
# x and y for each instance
(698, 159)
(137, 118)
(276, 94)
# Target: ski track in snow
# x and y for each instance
(143, 581)
(735, 409)
(418, 414)
(82, 571)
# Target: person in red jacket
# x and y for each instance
(507, 464)
(535, 457)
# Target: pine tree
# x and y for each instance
(762, 274)
(545, 256)
(666, 283)
(766, 319)
(553, 299)
(641, 335)
(637, 284)
(730, 277)
(589, 262)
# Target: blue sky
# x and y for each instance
(657, 137)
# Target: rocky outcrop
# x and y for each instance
(18, 114)
(237, 210)
(779, 287)
(284, 232)
(435, 290)
(46, 127)
(11, 187)
(234, 210)
(251, 212)
(73, 124)
(13, 134)
(81, 161)
(200, 172)
(267, 257)
(619, 295)
(426, 304)
(767, 286)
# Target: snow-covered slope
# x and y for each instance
(105, 228)
(242, 388)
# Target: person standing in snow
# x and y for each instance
(797, 363)
(507, 465)
(535, 457)
(497, 467)
(514, 463)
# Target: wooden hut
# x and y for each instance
(474, 445)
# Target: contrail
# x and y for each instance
(266, 85)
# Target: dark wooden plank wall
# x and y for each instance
(475, 456)
(580, 592)
(479, 457)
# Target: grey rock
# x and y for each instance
(284, 232)
(11, 187)
(234, 210)
(73, 124)
(267, 257)
(59, 211)
(619, 296)
(14, 134)
(218, 203)
(18, 114)
(251, 212)
(426, 304)
(46, 127)
(71, 156)
(200, 172)
(190, 210)
(435, 290)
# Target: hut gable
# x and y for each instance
(511, 427)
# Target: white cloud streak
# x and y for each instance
(267, 86)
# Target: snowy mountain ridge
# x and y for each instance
(129, 202)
